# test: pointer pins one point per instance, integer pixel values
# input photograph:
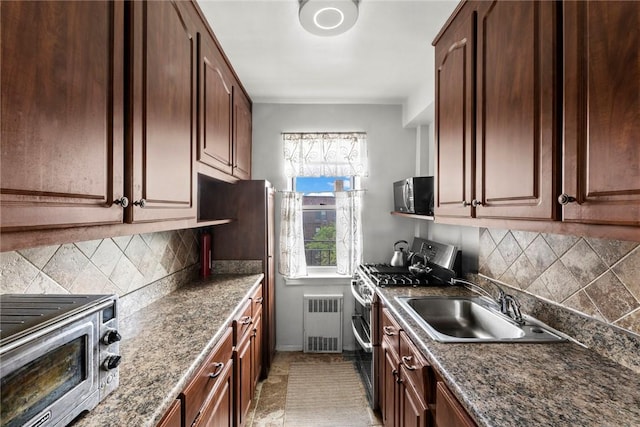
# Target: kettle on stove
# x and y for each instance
(399, 258)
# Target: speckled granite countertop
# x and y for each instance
(515, 385)
(162, 346)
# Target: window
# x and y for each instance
(321, 212)
(319, 216)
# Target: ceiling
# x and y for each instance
(386, 58)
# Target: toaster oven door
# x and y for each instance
(51, 378)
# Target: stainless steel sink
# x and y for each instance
(473, 319)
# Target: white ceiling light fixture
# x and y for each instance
(328, 17)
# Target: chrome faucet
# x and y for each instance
(509, 305)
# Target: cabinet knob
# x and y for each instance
(465, 204)
(475, 203)
(142, 203)
(122, 201)
(564, 199)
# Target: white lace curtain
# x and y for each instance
(323, 154)
(348, 231)
(292, 258)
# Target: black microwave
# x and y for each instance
(414, 195)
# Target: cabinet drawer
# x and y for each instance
(390, 330)
(242, 322)
(256, 301)
(449, 412)
(207, 377)
(415, 368)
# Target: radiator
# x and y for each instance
(322, 323)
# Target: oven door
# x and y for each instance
(52, 377)
(361, 326)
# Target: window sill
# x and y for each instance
(318, 279)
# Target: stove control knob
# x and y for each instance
(111, 336)
(111, 362)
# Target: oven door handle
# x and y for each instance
(357, 296)
(366, 346)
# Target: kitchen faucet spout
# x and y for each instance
(509, 305)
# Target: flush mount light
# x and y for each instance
(328, 17)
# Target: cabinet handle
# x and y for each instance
(475, 203)
(122, 201)
(405, 363)
(142, 203)
(246, 320)
(259, 300)
(388, 330)
(465, 204)
(217, 371)
(564, 199)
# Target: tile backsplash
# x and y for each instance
(117, 265)
(599, 278)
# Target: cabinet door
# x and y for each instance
(243, 380)
(61, 134)
(216, 107)
(449, 412)
(517, 130)
(455, 121)
(388, 386)
(218, 411)
(242, 135)
(162, 103)
(256, 351)
(209, 380)
(412, 409)
(602, 112)
(173, 417)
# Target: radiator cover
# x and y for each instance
(322, 323)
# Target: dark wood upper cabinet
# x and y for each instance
(553, 89)
(215, 101)
(162, 112)
(602, 112)
(242, 136)
(455, 130)
(517, 133)
(62, 116)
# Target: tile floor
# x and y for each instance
(268, 406)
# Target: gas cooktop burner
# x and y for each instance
(386, 275)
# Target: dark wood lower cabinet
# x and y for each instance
(407, 383)
(221, 391)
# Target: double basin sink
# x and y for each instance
(473, 319)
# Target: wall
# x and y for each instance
(118, 265)
(596, 277)
(391, 152)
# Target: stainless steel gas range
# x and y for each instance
(443, 262)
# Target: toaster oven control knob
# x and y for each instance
(111, 336)
(111, 362)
